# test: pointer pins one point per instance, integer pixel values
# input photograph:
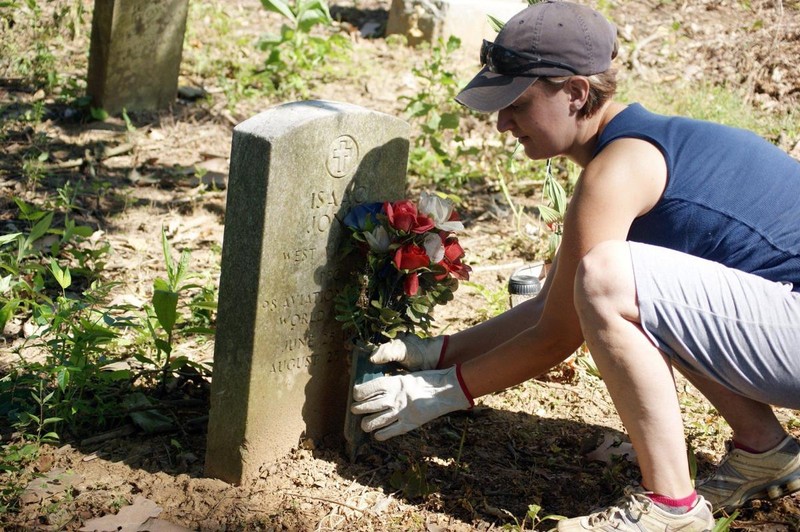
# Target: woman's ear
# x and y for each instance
(577, 87)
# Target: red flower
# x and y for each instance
(459, 270)
(411, 284)
(410, 257)
(403, 216)
(453, 252)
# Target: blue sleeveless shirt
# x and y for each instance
(731, 196)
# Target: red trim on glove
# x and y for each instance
(441, 353)
(463, 385)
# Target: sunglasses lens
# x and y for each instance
(486, 54)
(502, 60)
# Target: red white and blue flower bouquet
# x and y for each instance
(409, 261)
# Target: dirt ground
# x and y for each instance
(480, 470)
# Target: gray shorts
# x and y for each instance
(739, 329)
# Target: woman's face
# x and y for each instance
(541, 121)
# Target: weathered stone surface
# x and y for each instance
(428, 20)
(280, 362)
(135, 53)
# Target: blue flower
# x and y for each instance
(362, 217)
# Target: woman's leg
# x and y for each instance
(754, 423)
(638, 375)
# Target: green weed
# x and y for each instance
(438, 149)
(535, 519)
(51, 279)
(295, 55)
(412, 480)
(723, 524)
(215, 49)
(496, 301)
(48, 26)
(164, 308)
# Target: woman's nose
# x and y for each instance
(503, 120)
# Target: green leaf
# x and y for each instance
(549, 215)
(723, 524)
(533, 510)
(148, 420)
(449, 121)
(183, 267)
(554, 192)
(5, 284)
(62, 378)
(280, 7)
(434, 121)
(29, 212)
(311, 13)
(63, 277)
(40, 228)
(496, 23)
(50, 437)
(29, 450)
(207, 330)
(163, 346)
(5, 239)
(167, 256)
(98, 113)
(165, 303)
(144, 360)
(7, 310)
(84, 231)
(128, 124)
(178, 362)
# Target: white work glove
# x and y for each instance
(400, 403)
(411, 351)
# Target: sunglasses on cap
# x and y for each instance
(502, 60)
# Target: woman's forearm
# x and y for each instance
(523, 357)
(484, 337)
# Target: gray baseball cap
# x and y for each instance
(551, 38)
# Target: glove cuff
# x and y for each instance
(463, 385)
(445, 341)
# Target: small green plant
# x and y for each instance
(496, 301)
(535, 519)
(553, 210)
(39, 65)
(412, 480)
(163, 314)
(295, 55)
(723, 524)
(438, 149)
(14, 456)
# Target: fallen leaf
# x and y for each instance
(53, 483)
(610, 447)
(159, 525)
(129, 519)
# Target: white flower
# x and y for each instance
(378, 239)
(439, 210)
(434, 248)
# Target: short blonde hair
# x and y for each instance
(602, 88)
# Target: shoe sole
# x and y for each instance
(781, 488)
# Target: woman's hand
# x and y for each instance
(411, 352)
